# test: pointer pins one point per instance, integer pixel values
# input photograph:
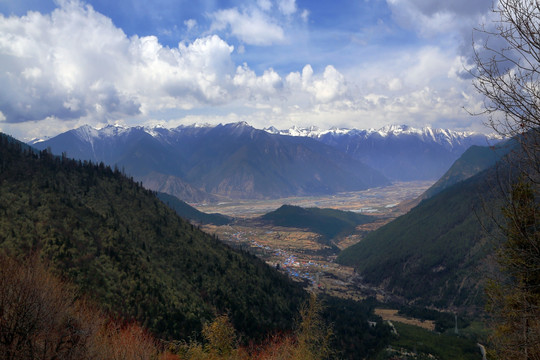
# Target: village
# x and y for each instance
(299, 253)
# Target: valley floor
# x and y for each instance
(297, 252)
(381, 201)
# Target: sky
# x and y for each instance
(283, 63)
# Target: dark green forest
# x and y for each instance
(187, 211)
(436, 254)
(136, 259)
(132, 253)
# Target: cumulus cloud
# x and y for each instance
(251, 26)
(328, 86)
(50, 66)
(417, 89)
(263, 86)
(265, 5)
(75, 64)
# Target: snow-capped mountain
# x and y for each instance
(237, 160)
(232, 160)
(400, 152)
(446, 137)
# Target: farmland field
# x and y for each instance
(377, 201)
(298, 252)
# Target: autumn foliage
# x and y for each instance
(44, 318)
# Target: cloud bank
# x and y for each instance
(75, 66)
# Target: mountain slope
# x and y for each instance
(233, 160)
(175, 186)
(133, 254)
(189, 212)
(437, 253)
(237, 160)
(473, 161)
(399, 152)
(132, 149)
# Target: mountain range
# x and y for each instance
(233, 160)
(203, 163)
(400, 152)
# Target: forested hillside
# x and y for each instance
(130, 252)
(437, 253)
(136, 259)
(187, 211)
(473, 161)
(327, 222)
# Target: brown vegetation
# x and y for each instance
(392, 315)
(42, 317)
(507, 74)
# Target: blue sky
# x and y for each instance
(344, 63)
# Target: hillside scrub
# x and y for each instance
(43, 317)
(131, 253)
(138, 261)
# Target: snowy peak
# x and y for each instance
(445, 137)
(427, 134)
(86, 133)
(312, 131)
(89, 134)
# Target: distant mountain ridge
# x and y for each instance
(400, 152)
(442, 136)
(232, 160)
(196, 163)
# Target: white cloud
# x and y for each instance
(75, 63)
(265, 85)
(324, 88)
(49, 63)
(74, 66)
(436, 17)
(305, 15)
(250, 26)
(394, 84)
(287, 7)
(190, 24)
(266, 5)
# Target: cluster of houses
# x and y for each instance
(308, 270)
